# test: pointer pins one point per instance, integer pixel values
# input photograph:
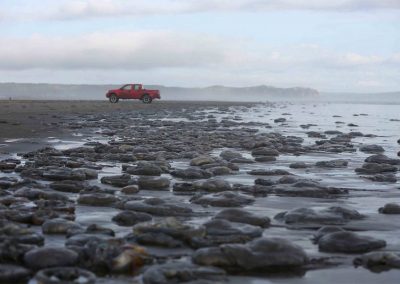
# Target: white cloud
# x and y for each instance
(189, 59)
(125, 50)
(152, 49)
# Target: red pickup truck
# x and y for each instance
(133, 91)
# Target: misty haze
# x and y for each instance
(189, 141)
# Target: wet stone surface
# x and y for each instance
(215, 193)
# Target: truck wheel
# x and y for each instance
(146, 99)
(114, 99)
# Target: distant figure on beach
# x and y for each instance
(10, 98)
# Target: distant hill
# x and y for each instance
(384, 98)
(97, 92)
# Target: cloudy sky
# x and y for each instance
(331, 45)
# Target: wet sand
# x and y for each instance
(266, 159)
(27, 119)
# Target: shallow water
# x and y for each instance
(365, 196)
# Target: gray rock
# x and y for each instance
(130, 189)
(222, 199)
(179, 272)
(264, 151)
(382, 159)
(390, 208)
(13, 274)
(97, 199)
(20, 235)
(145, 168)
(324, 231)
(264, 159)
(332, 164)
(220, 231)
(382, 178)
(277, 172)
(307, 188)
(349, 242)
(130, 218)
(35, 194)
(158, 207)
(72, 186)
(263, 254)
(375, 168)
(63, 174)
(378, 261)
(278, 120)
(229, 155)
(65, 275)
(264, 182)
(298, 165)
(153, 183)
(212, 185)
(50, 257)
(220, 171)
(168, 232)
(374, 149)
(330, 216)
(202, 160)
(118, 181)
(242, 161)
(191, 173)
(243, 216)
(59, 226)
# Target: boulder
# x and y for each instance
(50, 257)
(130, 218)
(220, 231)
(202, 160)
(10, 273)
(118, 181)
(277, 172)
(375, 168)
(243, 216)
(179, 272)
(59, 226)
(222, 199)
(97, 199)
(264, 151)
(298, 165)
(212, 185)
(169, 232)
(65, 275)
(382, 159)
(310, 217)
(263, 255)
(153, 183)
(158, 207)
(130, 189)
(374, 149)
(391, 178)
(229, 155)
(191, 173)
(145, 169)
(333, 164)
(378, 261)
(390, 208)
(349, 242)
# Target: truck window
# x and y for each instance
(127, 87)
(136, 87)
